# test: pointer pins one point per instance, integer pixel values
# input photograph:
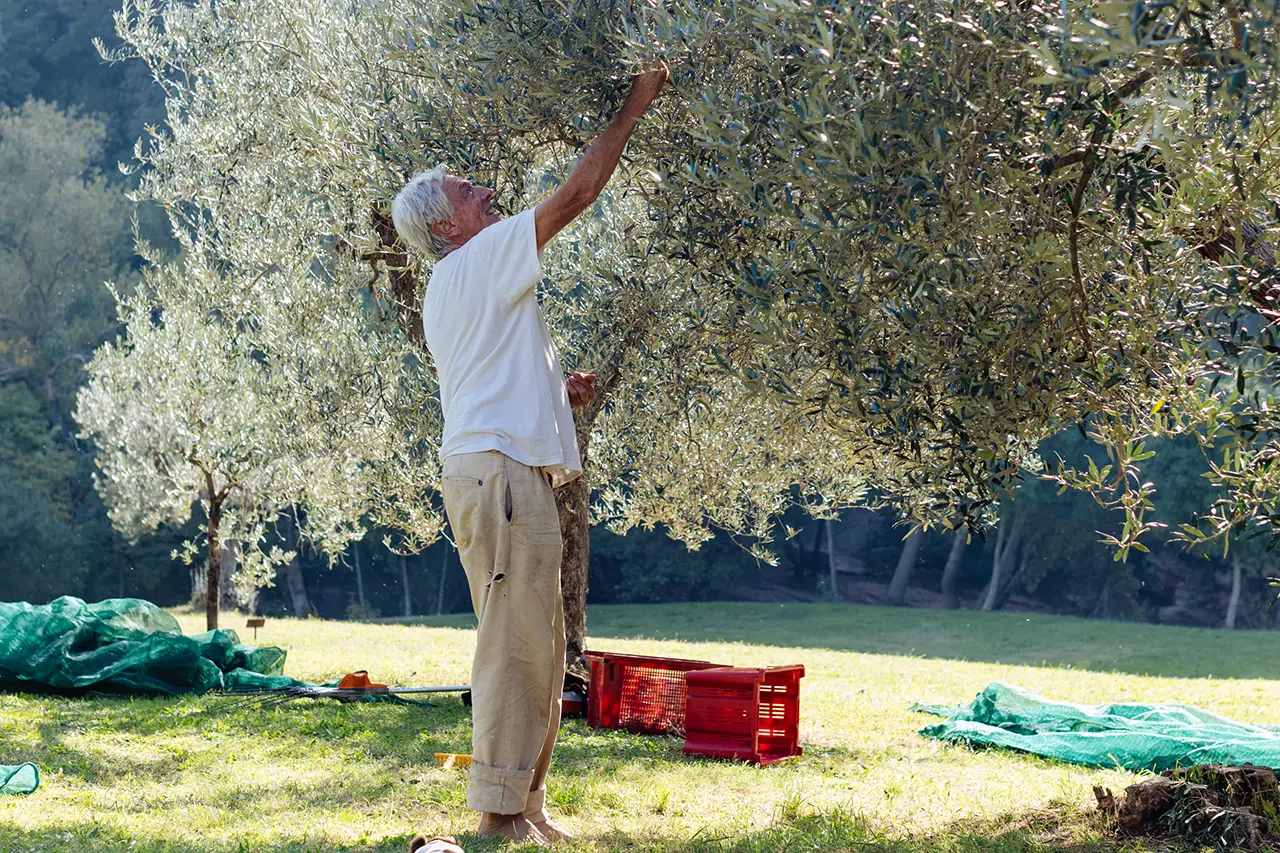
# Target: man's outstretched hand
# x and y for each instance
(582, 389)
(588, 178)
(644, 89)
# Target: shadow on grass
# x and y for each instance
(586, 751)
(834, 831)
(1029, 639)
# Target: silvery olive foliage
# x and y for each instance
(182, 413)
(858, 248)
(942, 230)
(275, 171)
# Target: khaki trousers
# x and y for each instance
(507, 529)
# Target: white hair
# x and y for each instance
(417, 207)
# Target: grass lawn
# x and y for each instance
(186, 775)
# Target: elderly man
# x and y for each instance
(508, 442)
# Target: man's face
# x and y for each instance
(472, 210)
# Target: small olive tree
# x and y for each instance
(184, 416)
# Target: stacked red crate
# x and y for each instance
(637, 693)
(744, 714)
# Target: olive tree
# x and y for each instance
(286, 141)
(921, 237)
(942, 231)
(968, 225)
(186, 417)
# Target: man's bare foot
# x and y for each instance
(553, 832)
(511, 827)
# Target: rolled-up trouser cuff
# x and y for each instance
(498, 790)
(535, 807)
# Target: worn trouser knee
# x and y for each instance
(507, 529)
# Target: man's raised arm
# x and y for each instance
(595, 168)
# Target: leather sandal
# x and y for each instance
(437, 844)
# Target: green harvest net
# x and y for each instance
(1126, 735)
(124, 645)
(22, 779)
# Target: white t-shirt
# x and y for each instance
(501, 386)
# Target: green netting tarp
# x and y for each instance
(22, 779)
(123, 645)
(1121, 734)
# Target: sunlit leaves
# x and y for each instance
(891, 245)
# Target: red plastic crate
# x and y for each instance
(744, 714)
(640, 694)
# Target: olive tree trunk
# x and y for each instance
(955, 559)
(1007, 588)
(1005, 552)
(906, 562)
(355, 559)
(404, 585)
(1233, 605)
(444, 576)
(831, 560)
(213, 570)
(297, 589)
(1102, 610)
(293, 574)
(572, 500)
(228, 560)
(199, 571)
